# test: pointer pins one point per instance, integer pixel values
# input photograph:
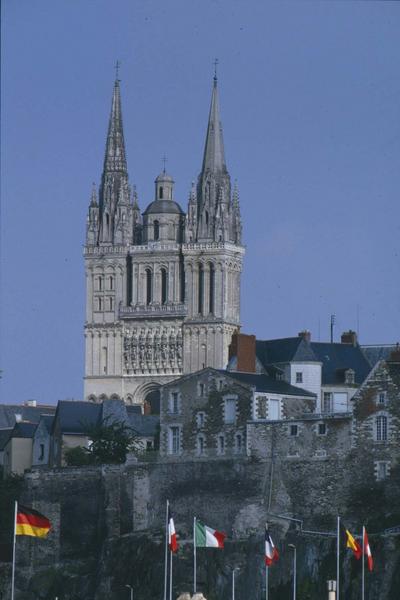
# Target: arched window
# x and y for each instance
(201, 289)
(381, 428)
(211, 288)
(206, 217)
(99, 283)
(156, 226)
(239, 443)
(99, 303)
(111, 303)
(149, 286)
(111, 282)
(161, 192)
(164, 286)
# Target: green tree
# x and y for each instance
(110, 443)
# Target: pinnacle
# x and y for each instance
(214, 154)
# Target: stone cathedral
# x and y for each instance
(163, 286)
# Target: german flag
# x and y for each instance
(31, 522)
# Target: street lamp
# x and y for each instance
(131, 588)
(233, 582)
(293, 547)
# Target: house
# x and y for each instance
(41, 441)
(146, 430)
(376, 415)
(18, 449)
(4, 437)
(205, 414)
(74, 419)
(331, 371)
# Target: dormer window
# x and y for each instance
(299, 377)
(349, 377)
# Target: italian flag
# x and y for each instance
(206, 537)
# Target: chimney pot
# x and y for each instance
(305, 334)
(349, 337)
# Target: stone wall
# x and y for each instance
(108, 527)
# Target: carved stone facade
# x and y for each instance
(163, 287)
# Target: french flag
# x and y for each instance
(367, 551)
(271, 553)
(172, 538)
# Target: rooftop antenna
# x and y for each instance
(333, 319)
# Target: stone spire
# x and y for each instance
(115, 158)
(214, 154)
(214, 184)
(116, 218)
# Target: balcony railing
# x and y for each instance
(154, 311)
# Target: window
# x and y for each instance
(201, 289)
(174, 403)
(274, 410)
(161, 193)
(382, 398)
(111, 282)
(349, 377)
(156, 230)
(164, 286)
(381, 428)
(239, 443)
(200, 418)
(294, 430)
(99, 284)
(230, 410)
(41, 455)
(382, 469)
(221, 444)
(327, 402)
(99, 303)
(201, 389)
(220, 384)
(299, 377)
(149, 445)
(111, 303)
(105, 359)
(149, 286)
(321, 428)
(174, 440)
(211, 289)
(200, 445)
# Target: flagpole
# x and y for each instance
(266, 582)
(170, 576)
(194, 557)
(363, 566)
(338, 559)
(166, 553)
(13, 562)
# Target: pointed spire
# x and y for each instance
(115, 158)
(214, 154)
(93, 197)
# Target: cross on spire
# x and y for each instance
(117, 66)
(164, 160)
(215, 63)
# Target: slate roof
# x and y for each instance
(376, 353)
(28, 413)
(163, 207)
(264, 383)
(48, 421)
(24, 430)
(4, 437)
(144, 425)
(335, 357)
(74, 416)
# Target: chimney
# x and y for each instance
(305, 334)
(349, 337)
(244, 348)
(395, 354)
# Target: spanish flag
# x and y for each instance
(352, 543)
(31, 522)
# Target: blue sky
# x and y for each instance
(310, 99)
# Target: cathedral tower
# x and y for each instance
(163, 287)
